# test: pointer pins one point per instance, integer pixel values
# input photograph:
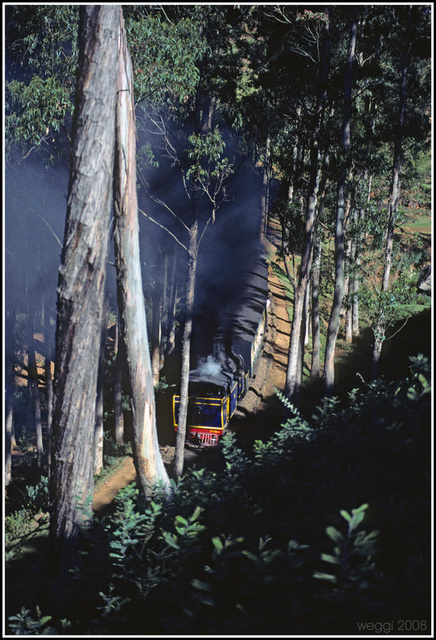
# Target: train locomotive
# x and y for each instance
(222, 378)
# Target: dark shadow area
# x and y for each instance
(340, 469)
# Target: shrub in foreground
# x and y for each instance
(318, 530)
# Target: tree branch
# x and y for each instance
(164, 228)
(54, 234)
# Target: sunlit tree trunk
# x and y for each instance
(156, 324)
(293, 381)
(34, 393)
(186, 348)
(9, 392)
(81, 292)
(358, 256)
(394, 198)
(148, 461)
(47, 368)
(118, 384)
(348, 288)
(316, 270)
(265, 194)
(293, 378)
(99, 410)
(333, 327)
(165, 309)
(172, 302)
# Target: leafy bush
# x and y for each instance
(37, 494)
(22, 522)
(16, 525)
(325, 525)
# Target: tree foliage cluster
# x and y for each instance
(322, 526)
(41, 64)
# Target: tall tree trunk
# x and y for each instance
(165, 310)
(358, 257)
(316, 270)
(379, 330)
(99, 410)
(81, 291)
(47, 369)
(172, 302)
(293, 379)
(293, 383)
(186, 348)
(156, 325)
(333, 327)
(9, 391)
(118, 384)
(34, 394)
(265, 194)
(148, 461)
(307, 316)
(348, 289)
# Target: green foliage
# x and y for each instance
(38, 498)
(421, 378)
(130, 529)
(240, 546)
(351, 562)
(23, 521)
(162, 385)
(24, 624)
(41, 71)
(42, 40)
(382, 309)
(17, 524)
(164, 56)
(35, 110)
(205, 153)
(293, 432)
(112, 451)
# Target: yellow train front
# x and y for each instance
(222, 379)
(213, 399)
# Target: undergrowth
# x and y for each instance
(321, 528)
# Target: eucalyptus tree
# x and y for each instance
(42, 67)
(150, 469)
(386, 127)
(179, 91)
(81, 290)
(301, 66)
(409, 58)
(333, 326)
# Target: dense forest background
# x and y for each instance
(317, 118)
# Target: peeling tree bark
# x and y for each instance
(81, 292)
(149, 465)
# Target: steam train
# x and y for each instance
(222, 378)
